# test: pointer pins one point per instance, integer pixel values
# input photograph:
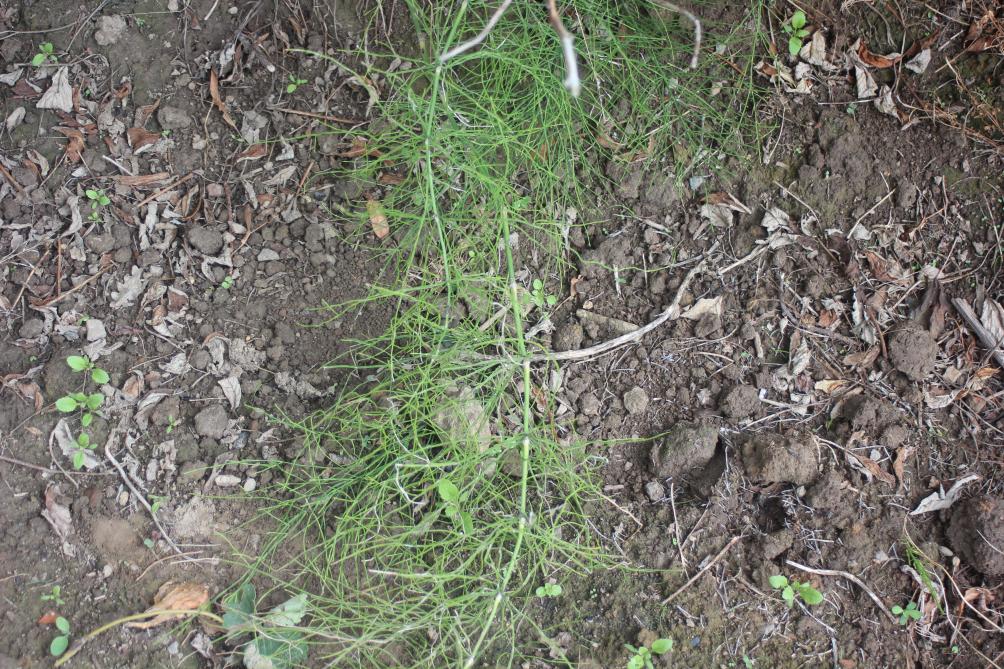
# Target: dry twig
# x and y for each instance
(706, 567)
(698, 31)
(853, 579)
(480, 37)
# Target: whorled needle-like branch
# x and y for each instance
(480, 37)
(698, 32)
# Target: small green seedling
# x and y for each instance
(60, 643)
(450, 494)
(796, 31)
(539, 297)
(81, 363)
(641, 658)
(294, 83)
(171, 424)
(84, 446)
(275, 641)
(85, 402)
(789, 590)
(227, 283)
(910, 613)
(548, 590)
(45, 55)
(54, 596)
(98, 199)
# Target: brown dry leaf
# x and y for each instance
(607, 142)
(378, 219)
(876, 469)
(47, 618)
(133, 387)
(140, 137)
(827, 317)
(885, 270)
(390, 179)
(57, 514)
(359, 148)
(122, 91)
(875, 60)
(900, 462)
(184, 596)
(862, 359)
(75, 145)
(214, 92)
(255, 152)
(830, 386)
(144, 113)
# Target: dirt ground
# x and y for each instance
(820, 386)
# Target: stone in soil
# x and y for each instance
(32, 327)
(687, 447)
(912, 351)
(655, 491)
(568, 337)
(976, 532)
(172, 118)
(777, 458)
(740, 402)
(110, 29)
(636, 401)
(212, 422)
(205, 240)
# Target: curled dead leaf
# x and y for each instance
(184, 596)
(378, 219)
(75, 145)
(214, 92)
(875, 60)
(254, 152)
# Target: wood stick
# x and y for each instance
(708, 566)
(853, 579)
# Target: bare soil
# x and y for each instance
(822, 387)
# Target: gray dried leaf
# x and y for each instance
(129, 289)
(918, 64)
(231, 387)
(992, 319)
(10, 78)
(60, 95)
(14, 118)
(940, 499)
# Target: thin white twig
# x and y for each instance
(698, 32)
(480, 37)
(708, 566)
(853, 579)
(572, 81)
(672, 312)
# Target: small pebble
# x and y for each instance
(250, 485)
(227, 480)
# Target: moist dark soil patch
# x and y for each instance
(822, 388)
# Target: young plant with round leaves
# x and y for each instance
(60, 643)
(791, 589)
(641, 658)
(45, 55)
(548, 590)
(795, 28)
(98, 199)
(910, 613)
(451, 498)
(275, 641)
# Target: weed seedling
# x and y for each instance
(450, 494)
(796, 31)
(910, 613)
(54, 596)
(791, 589)
(275, 641)
(227, 283)
(83, 446)
(81, 363)
(294, 83)
(60, 643)
(98, 199)
(548, 590)
(45, 55)
(641, 658)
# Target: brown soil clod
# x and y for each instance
(687, 447)
(976, 532)
(776, 458)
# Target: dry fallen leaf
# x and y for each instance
(900, 462)
(378, 219)
(940, 499)
(875, 60)
(140, 137)
(141, 180)
(255, 152)
(57, 514)
(60, 95)
(214, 92)
(705, 305)
(184, 596)
(75, 145)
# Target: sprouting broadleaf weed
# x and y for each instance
(796, 31)
(641, 657)
(548, 590)
(792, 589)
(910, 613)
(60, 643)
(45, 55)
(275, 640)
(294, 83)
